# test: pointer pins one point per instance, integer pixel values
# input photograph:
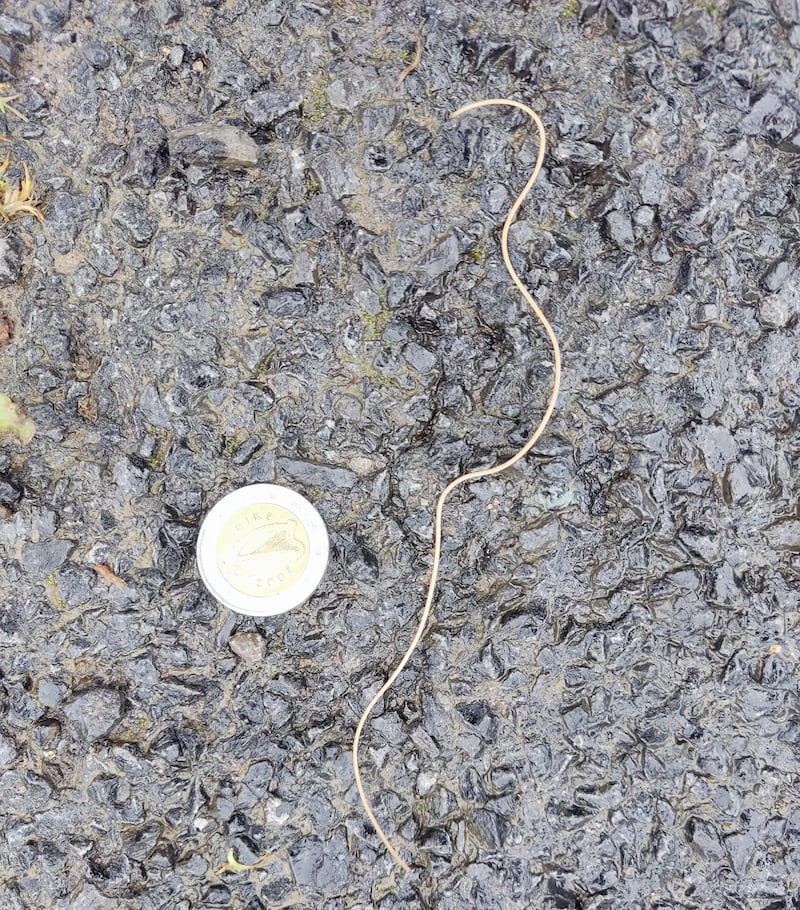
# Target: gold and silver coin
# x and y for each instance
(262, 550)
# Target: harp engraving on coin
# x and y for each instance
(262, 550)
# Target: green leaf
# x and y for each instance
(14, 420)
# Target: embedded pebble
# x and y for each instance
(208, 143)
(620, 229)
(51, 16)
(8, 751)
(10, 260)
(14, 27)
(132, 217)
(94, 712)
(9, 57)
(336, 174)
(264, 108)
(43, 558)
(249, 646)
(147, 154)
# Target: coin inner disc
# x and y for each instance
(262, 550)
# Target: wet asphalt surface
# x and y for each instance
(261, 261)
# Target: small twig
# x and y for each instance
(414, 60)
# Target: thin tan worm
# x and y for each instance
(472, 475)
(414, 60)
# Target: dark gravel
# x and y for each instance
(261, 261)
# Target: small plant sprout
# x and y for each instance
(317, 105)
(17, 198)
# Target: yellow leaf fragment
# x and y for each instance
(17, 198)
(5, 103)
(14, 420)
(233, 865)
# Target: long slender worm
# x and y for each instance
(414, 63)
(472, 475)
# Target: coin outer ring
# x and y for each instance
(262, 494)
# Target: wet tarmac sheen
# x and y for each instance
(264, 262)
